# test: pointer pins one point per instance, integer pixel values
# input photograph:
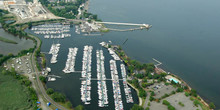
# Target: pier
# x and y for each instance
(159, 63)
(127, 24)
(100, 79)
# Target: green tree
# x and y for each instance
(165, 102)
(69, 105)
(79, 107)
(170, 107)
(50, 91)
(137, 107)
(43, 79)
(212, 105)
(58, 97)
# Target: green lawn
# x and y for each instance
(13, 96)
(7, 40)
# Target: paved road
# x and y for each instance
(39, 85)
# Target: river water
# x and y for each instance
(184, 37)
(22, 44)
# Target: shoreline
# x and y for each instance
(140, 99)
(190, 88)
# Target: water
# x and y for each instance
(70, 84)
(22, 44)
(184, 37)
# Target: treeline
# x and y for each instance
(10, 55)
(64, 9)
(58, 97)
(25, 82)
(68, 9)
(135, 83)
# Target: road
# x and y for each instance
(41, 92)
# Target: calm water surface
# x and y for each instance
(185, 37)
(6, 48)
(70, 84)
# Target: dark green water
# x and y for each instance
(70, 84)
(184, 37)
(22, 44)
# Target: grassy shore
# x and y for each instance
(13, 95)
(7, 40)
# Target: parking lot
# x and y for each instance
(161, 89)
(180, 97)
(21, 65)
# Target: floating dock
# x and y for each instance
(102, 89)
(127, 89)
(54, 51)
(70, 63)
(86, 73)
(116, 86)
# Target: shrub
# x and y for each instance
(170, 107)
(196, 103)
(165, 102)
(212, 105)
(181, 104)
(186, 94)
(50, 91)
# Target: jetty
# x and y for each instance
(127, 24)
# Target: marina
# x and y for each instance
(102, 89)
(113, 54)
(53, 31)
(70, 63)
(127, 89)
(116, 86)
(54, 51)
(86, 73)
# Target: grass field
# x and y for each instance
(13, 96)
(7, 40)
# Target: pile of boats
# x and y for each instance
(86, 74)
(57, 36)
(54, 51)
(127, 89)
(102, 89)
(52, 30)
(70, 63)
(116, 86)
(113, 54)
(77, 29)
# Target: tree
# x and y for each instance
(69, 104)
(147, 108)
(79, 107)
(50, 91)
(165, 102)
(151, 98)
(179, 89)
(29, 25)
(193, 92)
(170, 107)
(58, 97)
(43, 79)
(152, 93)
(137, 107)
(212, 105)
